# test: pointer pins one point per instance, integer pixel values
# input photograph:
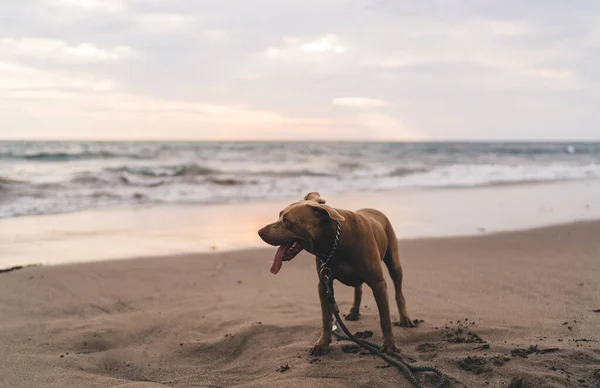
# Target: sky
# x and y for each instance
(300, 69)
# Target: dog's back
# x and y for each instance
(372, 223)
(375, 215)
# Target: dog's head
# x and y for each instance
(298, 228)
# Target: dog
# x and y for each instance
(367, 239)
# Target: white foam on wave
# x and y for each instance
(56, 177)
(482, 175)
(22, 199)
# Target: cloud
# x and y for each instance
(182, 25)
(148, 117)
(359, 102)
(165, 22)
(19, 78)
(216, 36)
(384, 127)
(324, 44)
(493, 69)
(37, 95)
(472, 70)
(44, 48)
(552, 73)
(71, 98)
(504, 28)
(248, 77)
(496, 45)
(294, 46)
(91, 5)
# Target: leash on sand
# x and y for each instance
(394, 359)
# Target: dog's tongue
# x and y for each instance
(278, 259)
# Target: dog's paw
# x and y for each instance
(389, 347)
(406, 322)
(320, 349)
(353, 315)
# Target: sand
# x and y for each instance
(222, 320)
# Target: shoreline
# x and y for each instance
(177, 229)
(222, 319)
(267, 250)
(260, 201)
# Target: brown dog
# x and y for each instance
(367, 239)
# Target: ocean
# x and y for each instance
(58, 177)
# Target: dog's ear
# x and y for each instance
(315, 197)
(322, 211)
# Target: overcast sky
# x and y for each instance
(300, 69)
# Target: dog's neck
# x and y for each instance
(327, 246)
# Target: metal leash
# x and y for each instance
(394, 359)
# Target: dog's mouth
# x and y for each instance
(285, 252)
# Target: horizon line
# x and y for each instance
(308, 140)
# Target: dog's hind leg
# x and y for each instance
(381, 297)
(392, 262)
(354, 314)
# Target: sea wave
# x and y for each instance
(403, 171)
(89, 178)
(488, 175)
(8, 181)
(190, 169)
(99, 174)
(294, 173)
(457, 175)
(350, 165)
(230, 181)
(70, 156)
(542, 149)
(194, 170)
(510, 149)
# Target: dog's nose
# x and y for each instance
(261, 233)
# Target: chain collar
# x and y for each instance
(324, 271)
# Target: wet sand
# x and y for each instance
(119, 233)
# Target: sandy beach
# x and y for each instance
(167, 166)
(496, 308)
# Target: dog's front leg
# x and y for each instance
(322, 345)
(381, 297)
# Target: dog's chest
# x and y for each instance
(346, 274)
